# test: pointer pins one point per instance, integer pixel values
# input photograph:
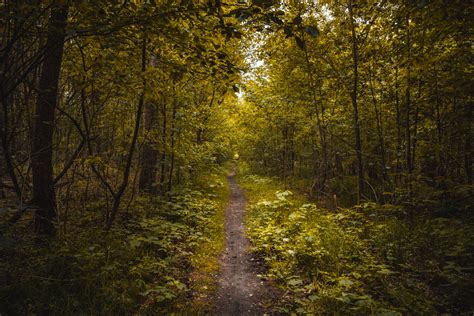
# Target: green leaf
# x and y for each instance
(345, 283)
(385, 271)
(313, 297)
(294, 282)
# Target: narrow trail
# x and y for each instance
(241, 291)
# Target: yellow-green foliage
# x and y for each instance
(366, 260)
(143, 265)
(205, 261)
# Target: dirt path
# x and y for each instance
(241, 291)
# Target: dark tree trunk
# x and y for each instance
(149, 154)
(439, 129)
(358, 143)
(399, 128)
(9, 163)
(378, 118)
(468, 144)
(415, 124)
(163, 153)
(408, 104)
(42, 141)
(172, 137)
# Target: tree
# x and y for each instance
(42, 141)
(355, 107)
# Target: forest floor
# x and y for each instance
(241, 288)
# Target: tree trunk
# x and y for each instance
(439, 128)
(378, 118)
(172, 149)
(408, 103)
(415, 124)
(320, 123)
(408, 140)
(358, 143)
(149, 154)
(467, 143)
(42, 141)
(399, 128)
(126, 173)
(163, 153)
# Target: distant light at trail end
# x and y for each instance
(240, 95)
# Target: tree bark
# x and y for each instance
(172, 139)
(126, 173)
(399, 128)
(149, 154)
(320, 123)
(358, 143)
(408, 102)
(378, 118)
(468, 142)
(42, 141)
(440, 170)
(163, 153)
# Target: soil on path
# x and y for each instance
(241, 291)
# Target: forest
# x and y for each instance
(236, 157)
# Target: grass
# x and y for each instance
(205, 260)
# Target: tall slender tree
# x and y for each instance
(42, 141)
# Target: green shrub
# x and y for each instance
(369, 259)
(142, 265)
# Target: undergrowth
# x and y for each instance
(159, 258)
(369, 259)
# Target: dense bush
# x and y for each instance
(367, 259)
(142, 265)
